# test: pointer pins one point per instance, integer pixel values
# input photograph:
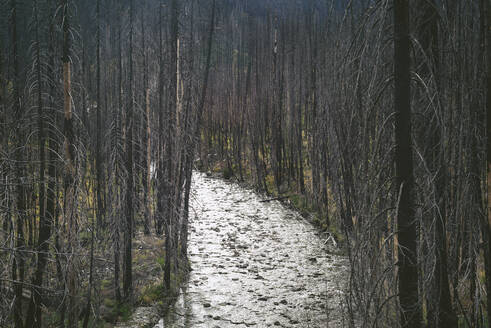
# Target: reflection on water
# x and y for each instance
(254, 265)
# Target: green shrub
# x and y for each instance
(227, 172)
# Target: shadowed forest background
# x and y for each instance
(368, 117)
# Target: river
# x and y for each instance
(255, 264)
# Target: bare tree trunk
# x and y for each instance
(169, 224)
(91, 277)
(18, 269)
(313, 99)
(428, 30)
(160, 162)
(99, 169)
(99, 191)
(69, 208)
(34, 312)
(487, 17)
(148, 181)
(128, 232)
(3, 132)
(276, 155)
(52, 209)
(406, 219)
(195, 138)
(116, 218)
(148, 157)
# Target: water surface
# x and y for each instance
(255, 264)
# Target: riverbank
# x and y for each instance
(150, 298)
(289, 197)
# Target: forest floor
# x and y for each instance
(149, 296)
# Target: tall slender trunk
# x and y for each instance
(160, 162)
(91, 276)
(117, 162)
(128, 232)
(3, 132)
(428, 30)
(173, 89)
(18, 269)
(313, 97)
(99, 169)
(406, 218)
(195, 138)
(99, 191)
(53, 144)
(34, 312)
(185, 154)
(299, 137)
(148, 137)
(177, 165)
(276, 113)
(148, 181)
(487, 17)
(69, 191)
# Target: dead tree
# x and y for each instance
(128, 230)
(406, 218)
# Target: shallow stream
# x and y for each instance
(255, 264)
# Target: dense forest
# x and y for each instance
(370, 117)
